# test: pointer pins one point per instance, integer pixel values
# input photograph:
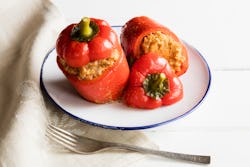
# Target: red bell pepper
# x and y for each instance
(89, 41)
(152, 83)
(132, 36)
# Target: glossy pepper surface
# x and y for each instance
(137, 28)
(88, 41)
(152, 83)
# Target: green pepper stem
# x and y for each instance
(85, 29)
(156, 85)
(159, 83)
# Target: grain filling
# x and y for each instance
(164, 45)
(91, 70)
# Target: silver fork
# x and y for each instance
(85, 145)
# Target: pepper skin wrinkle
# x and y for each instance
(152, 83)
(91, 57)
(142, 35)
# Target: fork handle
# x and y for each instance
(180, 156)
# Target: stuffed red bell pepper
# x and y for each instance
(152, 83)
(91, 57)
(142, 35)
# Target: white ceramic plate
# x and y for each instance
(116, 115)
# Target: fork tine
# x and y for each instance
(60, 141)
(60, 137)
(71, 135)
(55, 135)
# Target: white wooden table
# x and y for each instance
(220, 30)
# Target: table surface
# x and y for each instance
(220, 127)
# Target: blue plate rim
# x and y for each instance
(44, 90)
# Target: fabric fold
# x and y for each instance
(25, 112)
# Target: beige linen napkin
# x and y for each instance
(28, 31)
